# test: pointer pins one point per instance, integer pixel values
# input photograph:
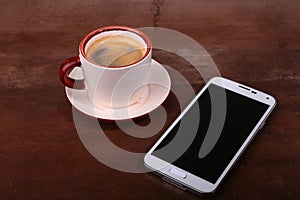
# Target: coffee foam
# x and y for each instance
(116, 50)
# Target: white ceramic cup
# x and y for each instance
(110, 86)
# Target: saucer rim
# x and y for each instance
(113, 118)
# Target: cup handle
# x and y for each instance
(65, 68)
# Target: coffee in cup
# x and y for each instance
(115, 51)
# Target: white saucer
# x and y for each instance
(159, 88)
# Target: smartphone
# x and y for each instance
(203, 143)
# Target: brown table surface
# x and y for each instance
(42, 157)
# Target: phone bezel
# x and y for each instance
(197, 183)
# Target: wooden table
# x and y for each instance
(41, 156)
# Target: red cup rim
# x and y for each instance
(113, 28)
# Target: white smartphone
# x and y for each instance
(203, 143)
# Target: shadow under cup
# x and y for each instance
(116, 86)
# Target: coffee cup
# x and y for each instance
(115, 61)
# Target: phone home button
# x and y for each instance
(178, 173)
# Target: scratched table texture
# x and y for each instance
(255, 42)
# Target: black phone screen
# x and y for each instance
(241, 115)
